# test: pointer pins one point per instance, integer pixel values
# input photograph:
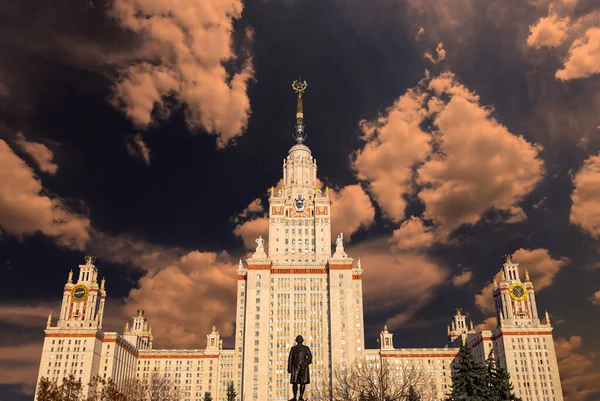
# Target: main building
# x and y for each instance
(297, 287)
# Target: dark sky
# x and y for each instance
(450, 131)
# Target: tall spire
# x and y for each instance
(299, 87)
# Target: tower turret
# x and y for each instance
(514, 300)
(83, 301)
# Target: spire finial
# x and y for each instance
(547, 317)
(507, 258)
(126, 328)
(70, 277)
(527, 275)
(49, 323)
(299, 87)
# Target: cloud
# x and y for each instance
(580, 31)
(485, 300)
(395, 142)
(462, 278)
(39, 152)
(476, 163)
(412, 235)
(189, 43)
(19, 364)
(252, 229)
(26, 209)
(129, 250)
(439, 51)
(390, 283)
(596, 298)
(541, 266)
(550, 31)
(27, 316)
(480, 164)
(196, 292)
(137, 148)
(585, 210)
(578, 373)
(488, 324)
(351, 209)
(584, 57)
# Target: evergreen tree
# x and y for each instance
(231, 393)
(498, 382)
(413, 395)
(207, 396)
(491, 377)
(503, 387)
(469, 379)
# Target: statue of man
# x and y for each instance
(299, 359)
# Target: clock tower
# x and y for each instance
(514, 300)
(83, 301)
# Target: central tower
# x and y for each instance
(299, 212)
(298, 287)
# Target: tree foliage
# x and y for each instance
(231, 392)
(207, 396)
(469, 380)
(498, 382)
(473, 382)
(375, 381)
(156, 388)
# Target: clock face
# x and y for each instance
(299, 203)
(79, 293)
(517, 292)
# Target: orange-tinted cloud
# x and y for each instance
(550, 31)
(489, 323)
(585, 211)
(252, 229)
(578, 373)
(351, 209)
(196, 292)
(485, 299)
(462, 278)
(395, 142)
(412, 235)
(390, 282)
(541, 266)
(584, 57)
(480, 164)
(477, 164)
(564, 25)
(39, 152)
(19, 364)
(26, 209)
(138, 149)
(596, 298)
(439, 51)
(132, 251)
(188, 43)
